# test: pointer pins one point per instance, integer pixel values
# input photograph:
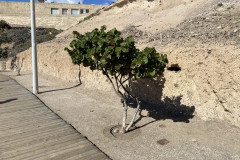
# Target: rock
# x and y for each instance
(219, 4)
(193, 140)
(163, 142)
(116, 130)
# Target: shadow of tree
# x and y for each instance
(62, 89)
(170, 108)
(7, 101)
(21, 75)
(158, 107)
(4, 81)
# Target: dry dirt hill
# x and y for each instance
(201, 36)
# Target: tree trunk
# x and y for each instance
(124, 116)
(134, 116)
(79, 75)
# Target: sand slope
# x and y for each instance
(209, 79)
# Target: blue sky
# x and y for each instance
(74, 1)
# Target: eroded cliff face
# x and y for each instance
(206, 48)
(201, 36)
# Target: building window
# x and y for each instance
(84, 11)
(54, 11)
(74, 11)
(64, 11)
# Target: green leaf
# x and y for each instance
(117, 67)
(103, 60)
(75, 34)
(152, 73)
(138, 75)
(103, 28)
(123, 44)
(130, 39)
(145, 60)
(125, 50)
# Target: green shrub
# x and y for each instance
(4, 25)
(118, 59)
(3, 53)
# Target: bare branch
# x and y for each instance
(134, 116)
(79, 74)
(130, 83)
(116, 80)
(125, 80)
(118, 75)
(128, 92)
(114, 88)
(124, 116)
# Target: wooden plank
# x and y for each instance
(29, 130)
(32, 132)
(43, 147)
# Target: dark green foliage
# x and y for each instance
(3, 39)
(3, 53)
(21, 37)
(22, 43)
(4, 25)
(110, 53)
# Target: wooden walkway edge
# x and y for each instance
(30, 130)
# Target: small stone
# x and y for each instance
(231, 34)
(163, 142)
(219, 4)
(162, 126)
(194, 140)
(116, 130)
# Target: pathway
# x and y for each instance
(30, 130)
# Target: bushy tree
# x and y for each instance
(119, 60)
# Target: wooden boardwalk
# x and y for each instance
(30, 130)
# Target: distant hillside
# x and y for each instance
(19, 38)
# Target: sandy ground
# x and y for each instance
(92, 112)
